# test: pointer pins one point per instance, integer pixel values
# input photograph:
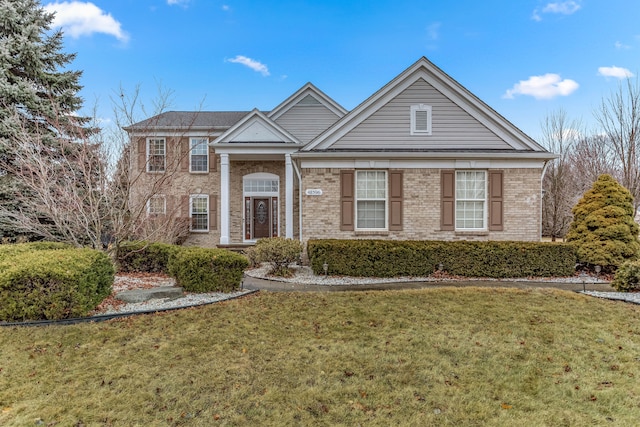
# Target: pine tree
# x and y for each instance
(603, 226)
(38, 96)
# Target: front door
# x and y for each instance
(261, 218)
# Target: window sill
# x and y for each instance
(371, 232)
(472, 232)
(198, 231)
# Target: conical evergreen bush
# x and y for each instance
(603, 227)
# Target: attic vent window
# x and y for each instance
(421, 119)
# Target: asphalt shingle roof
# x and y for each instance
(190, 120)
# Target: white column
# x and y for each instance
(288, 196)
(224, 199)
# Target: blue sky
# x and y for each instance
(524, 58)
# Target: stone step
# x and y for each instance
(142, 295)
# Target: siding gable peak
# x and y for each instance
(307, 95)
(424, 70)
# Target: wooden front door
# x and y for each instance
(261, 218)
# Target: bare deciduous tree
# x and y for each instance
(560, 136)
(619, 117)
(591, 158)
(80, 190)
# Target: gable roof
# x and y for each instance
(255, 127)
(423, 69)
(307, 94)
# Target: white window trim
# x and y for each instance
(191, 198)
(414, 110)
(386, 201)
(191, 154)
(485, 212)
(164, 156)
(164, 205)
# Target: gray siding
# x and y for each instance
(390, 126)
(305, 122)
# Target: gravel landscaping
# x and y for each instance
(302, 276)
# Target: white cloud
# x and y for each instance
(178, 2)
(251, 63)
(433, 31)
(617, 72)
(83, 19)
(226, 7)
(622, 46)
(547, 86)
(565, 8)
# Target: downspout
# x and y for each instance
(297, 171)
(544, 171)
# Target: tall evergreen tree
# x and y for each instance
(38, 96)
(603, 226)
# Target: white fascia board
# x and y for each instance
(330, 155)
(422, 164)
(254, 149)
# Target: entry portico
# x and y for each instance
(259, 141)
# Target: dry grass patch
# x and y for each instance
(429, 357)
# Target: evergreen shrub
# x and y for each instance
(53, 284)
(603, 228)
(144, 257)
(627, 278)
(280, 252)
(13, 249)
(207, 270)
(385, 258)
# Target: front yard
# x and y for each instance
(430, 357)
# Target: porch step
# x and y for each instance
(142, 295)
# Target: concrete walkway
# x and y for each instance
(253, 283)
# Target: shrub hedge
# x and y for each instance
(207, 270)
(145, 257)
(384, 258)
(11, 250)
(52, 284)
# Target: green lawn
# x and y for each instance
(470, 357)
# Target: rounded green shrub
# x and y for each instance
(280, 252)
(144, 257)
(603, 228)
(9, 250)
(53, 284)
(627, 278)
(207, 270)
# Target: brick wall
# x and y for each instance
(421, 208)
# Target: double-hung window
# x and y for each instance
(471, 200)
(199, 212)
(157, 205)
(156, 154)
(199, 155)
(371, 200)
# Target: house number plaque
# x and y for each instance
(313, 192)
